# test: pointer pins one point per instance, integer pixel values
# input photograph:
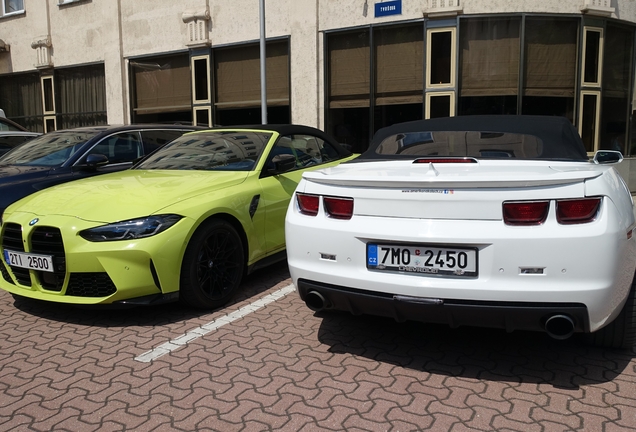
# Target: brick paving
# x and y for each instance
(285, 368)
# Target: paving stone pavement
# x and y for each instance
(284, 368)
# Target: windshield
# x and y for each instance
(52, 149)
(211, 150)
(463, 144)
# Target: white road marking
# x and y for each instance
(196, 333)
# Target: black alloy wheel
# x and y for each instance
(213, 266)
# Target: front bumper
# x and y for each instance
(93, 272)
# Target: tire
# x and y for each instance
(620, 333)
(213, 266)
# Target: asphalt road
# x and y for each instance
(266, 362)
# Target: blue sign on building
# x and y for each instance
(388, 8)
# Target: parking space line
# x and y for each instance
(198, 332)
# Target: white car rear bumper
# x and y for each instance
(588, 267)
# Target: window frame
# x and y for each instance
(196, 109)
(193, 79)
(430, 95)
(4, 13)
(50, 119)
(453, 57)
(597, 117)
(599, 67)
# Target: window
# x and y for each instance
(48, 103)
(80, 96)
(200, 67)
(398, 74)
(550, 53)
(349, 76)
(590, 96)
(440, 104)
(592, 56)
(440, 46)
(120, 148)
(12, 7)
(589, 114)
(238, 84)
(615, 100)
(201, 90)
(153, 139)
(440, 72)
(161, 89)
(21, 99)
(373, 85)
(308, 150)
(489, 65)
(8, 141)
(202, 116)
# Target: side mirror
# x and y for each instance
(607, 157)
(283, 163)
(96, 160)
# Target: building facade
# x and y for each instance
(349, 67)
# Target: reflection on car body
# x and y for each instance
(12, 139)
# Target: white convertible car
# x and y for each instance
(494, 221)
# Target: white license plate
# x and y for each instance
(29, 261)
(422, 259)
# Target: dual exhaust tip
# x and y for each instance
(558, 326)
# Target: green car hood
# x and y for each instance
(126, 194)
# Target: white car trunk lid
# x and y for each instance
(473, 191)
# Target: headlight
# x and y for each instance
(131, 229)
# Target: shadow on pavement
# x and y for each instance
(110, 316)
(470, 352)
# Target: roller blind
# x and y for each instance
(349, 70)
(551, 57)
(238, 76)
(617, 61)
(489, 57)
(399, 60)
(162, 85)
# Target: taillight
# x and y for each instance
(338, 208)
(525, 212)
(308, 204)
(575, 211)
(335, 207)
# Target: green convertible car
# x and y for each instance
(187, 222)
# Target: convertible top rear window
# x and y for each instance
(480, 136)
(223, 150)
(463, 143)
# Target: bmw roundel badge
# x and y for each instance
(33, 222)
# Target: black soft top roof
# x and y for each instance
(560, 139)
